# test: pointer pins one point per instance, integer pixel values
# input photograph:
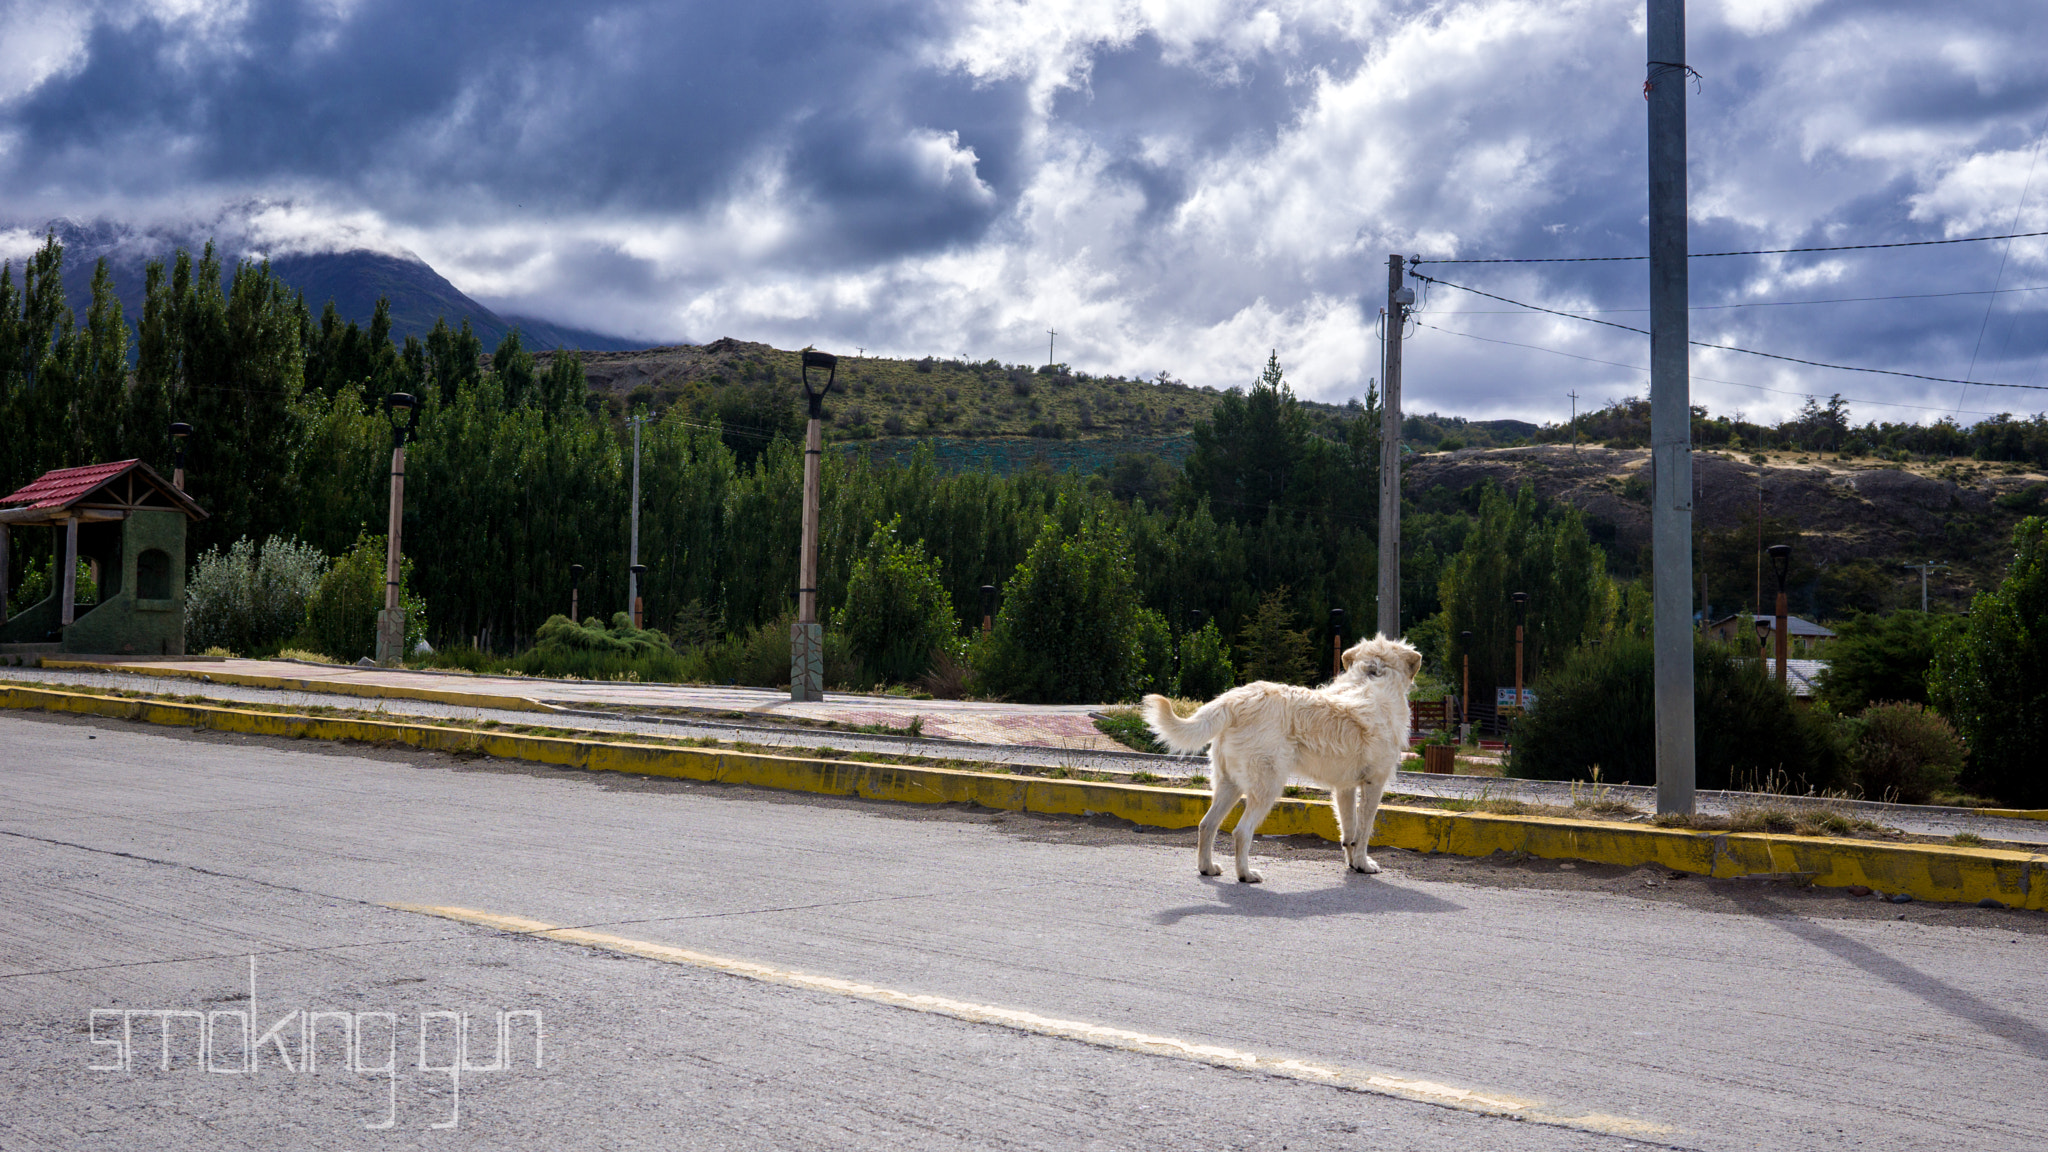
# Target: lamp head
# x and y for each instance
(180, 430)
(1465, 639)
(1337, 619)
(575, 574)
(828, 364)
(1781, 562)
(395, 404)
(637, 569)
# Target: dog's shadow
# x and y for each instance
(1356, 893)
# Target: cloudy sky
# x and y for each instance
(1175, 185)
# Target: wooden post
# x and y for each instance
(1399, 296)
(70, 570)
(1518, 667)
(1782, 642)
(391, 621)
(4, 531)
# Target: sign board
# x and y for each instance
(1505, 698)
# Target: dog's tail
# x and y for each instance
(1191, 734)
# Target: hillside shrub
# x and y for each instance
(1205, 669)
(1597, 711)
(898, 615)
(1990, 678)
(249, 601)
(341, 614)
(1068, 629)
(1905, 753)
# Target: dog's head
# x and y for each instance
(1375, 660)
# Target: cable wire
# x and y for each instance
(1735, 348)
(1702, 379)
(2018, 209)
(1413, 260)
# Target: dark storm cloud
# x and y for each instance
(434, 109)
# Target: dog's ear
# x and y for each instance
(1413, 659)
(1350, 654)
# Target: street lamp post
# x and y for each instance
(1336, 641)
(1465, 700)
(1781, 562)
(179, 431)
(1521, 600)
(807, 635)
(988, 608)
(575, 592)
(639, 607)
(391, 621)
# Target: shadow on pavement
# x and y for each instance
(1930, 990)
(1354, 894)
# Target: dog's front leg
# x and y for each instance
(1368, 811)
(1345, 801)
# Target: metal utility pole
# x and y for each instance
(1575, 420)
(807, 635)
(1924, 569)
(1670, 408)
(633, 568)
(1049, 335)
(1399, 296)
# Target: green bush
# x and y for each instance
(35, 585)
(341, 615)
(250, 602)
(1068, 628)
(559, 634)
(897, 613)
(1155, 642)
(759, 658)
(1880, 658)
(1268, 649)
(1597, 711)
(1990, 678)
(1205, 670)
(1905, 753)
(654, 665)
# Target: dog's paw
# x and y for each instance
(1365, 864)
(1212, 870)
(1252, 877)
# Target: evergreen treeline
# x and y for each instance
(1821, 426)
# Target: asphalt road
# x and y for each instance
(142, 868)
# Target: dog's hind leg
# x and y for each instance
(1223, 796)
(1368, 811)
(1258, 801)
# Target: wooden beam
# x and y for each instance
(69, 602)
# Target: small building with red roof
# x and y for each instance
(128, 522)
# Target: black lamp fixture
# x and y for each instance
(1194, 619)
(397, 405)
(575, 575)
(988, 601)
(828, 364)
(1521, 600)
(179, 431)
(637, 569)
(1781, 562)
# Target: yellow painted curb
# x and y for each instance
(1924, 871)
(332, 687)
(2015, 813)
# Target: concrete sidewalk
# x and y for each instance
(1065, 726)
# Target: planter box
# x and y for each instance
(1441, 759)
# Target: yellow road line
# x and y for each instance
(1120, 1039)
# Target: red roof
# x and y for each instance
(59, 487)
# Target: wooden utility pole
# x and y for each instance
(391, 621)
(1049, 335)
(1924, 569)
(1575, 419)
(1399, 296)
(1670, 409)
(633, 568)
(807, 635)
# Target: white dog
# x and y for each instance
(1347, 736)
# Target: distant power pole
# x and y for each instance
(1575, 420)
(1925, 568)
(1049, 334)
(1399, 296)
(1670, 409)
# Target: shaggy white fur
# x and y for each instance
(1347, 736)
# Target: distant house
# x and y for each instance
(1801, 677)
(1804, 635)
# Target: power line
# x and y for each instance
(1785, 303)
(1702, 379)
(1735, 348)
(2019, 208)
(1413, 260)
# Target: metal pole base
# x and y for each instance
(806, 662)
(390, 635)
